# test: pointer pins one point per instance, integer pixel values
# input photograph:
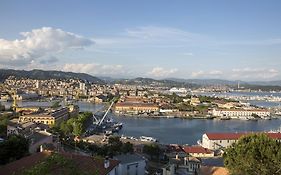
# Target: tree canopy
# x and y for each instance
(15, 147)
(153, 150)
(254, 154)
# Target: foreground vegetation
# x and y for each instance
(254, 154)
(76, 125)
(13, 148)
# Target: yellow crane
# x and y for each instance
(15, 105)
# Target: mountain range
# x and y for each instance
(52, 74)
(43, 75)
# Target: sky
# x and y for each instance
(218, 39)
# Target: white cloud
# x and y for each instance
(161, 72)
(197, 74)
(95, 69)
(188, 54)
(38, 43)
(258, 73)
(152, 36)
(207, 74)
(150, 32)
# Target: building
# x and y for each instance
(39, 138)
(82, 86)
(49, 118)
(198, 151)
(14, 127)
(178, 90)
(226, 105)
(215, 141)
(25, 96)
(87, 164)
(236, 113)
(183, 166)
(28, 109)
(131, 164)
(35, 132)
(136, 108)
(194, 101)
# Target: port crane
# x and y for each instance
(99, 122)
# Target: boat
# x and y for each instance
(243, 118)
(147, 139)
(118, 125)
(199, 142)
(170, 116)
(266, 117)
(107, 133)
(224, 118)
(252, 118)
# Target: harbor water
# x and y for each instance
(173, 130)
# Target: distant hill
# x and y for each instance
(207, 81)
(267, 83)
(150, 81)
(43, 75)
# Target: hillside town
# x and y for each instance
(139, 100)
(64, 131)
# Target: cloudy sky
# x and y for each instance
(232, 40)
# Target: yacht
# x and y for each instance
(147, 139)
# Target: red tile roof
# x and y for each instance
(196, 149)
(85, 163)
(212, 170)
(235, 136)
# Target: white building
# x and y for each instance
(131, 164)
(82, 86)
(215, 141)
(178, 90)
(236, 113)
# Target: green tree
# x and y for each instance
(54, 164)
(153, 150)
(115, 145)
(56, 105)
(127, 148)
(15, 147)
(77, 129)
(65, 128)
(254, 154)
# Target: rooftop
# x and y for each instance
(212, 170)
(129, 158)
(85, 163)
(236, 136)
(196, 149)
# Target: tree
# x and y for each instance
(15, 147)
(153, 150)
(77, 129)
(55, 105)
(254, 154)
(127, 148)
(65, 128)
(114, 145)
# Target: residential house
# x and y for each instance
(215, 141)
(131, 164)
(198, 151)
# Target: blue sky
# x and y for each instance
(183, 39)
